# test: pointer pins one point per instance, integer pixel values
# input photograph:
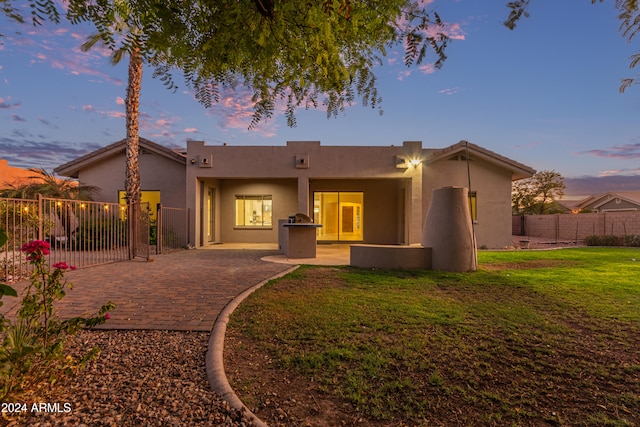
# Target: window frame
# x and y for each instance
(262, 198)
(473, 206)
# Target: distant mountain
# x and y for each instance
(589, 185)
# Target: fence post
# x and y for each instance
(159, 220)
(132, 230)
(189, 226)
(40, 217)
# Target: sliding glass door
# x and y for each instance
(340, 214)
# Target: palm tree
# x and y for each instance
(119, 25)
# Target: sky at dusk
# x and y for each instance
(545, 94)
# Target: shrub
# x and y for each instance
(33, 344)
(600, 240)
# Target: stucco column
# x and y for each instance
(415, 208)
(448, 231)
(303, 194)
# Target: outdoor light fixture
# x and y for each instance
(403, 162)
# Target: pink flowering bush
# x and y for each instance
(33, 345)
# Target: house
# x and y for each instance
(611, 201)
(366, 194)
(10, 175)
(162, 173)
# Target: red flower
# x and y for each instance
(61, 265)
(107, 316)
(36, 247)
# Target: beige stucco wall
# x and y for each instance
(493, 188)
(392, 199)
(157, 173)
(396, 199)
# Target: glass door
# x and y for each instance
(340, 214)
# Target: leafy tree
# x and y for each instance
(536, 195)
(301, 53)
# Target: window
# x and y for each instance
(253, 211)
(473, 205)
(340, 214)
(146, 196)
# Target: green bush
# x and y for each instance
(600, 240)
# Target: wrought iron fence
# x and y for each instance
(21, 221)
(172, 229)
(80, 233)
(86, 233)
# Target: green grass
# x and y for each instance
(532, 337)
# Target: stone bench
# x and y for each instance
(390, 256)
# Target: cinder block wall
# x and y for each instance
(578, 226)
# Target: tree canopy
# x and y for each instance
(298, 53)
(537, 194)
(295, 53)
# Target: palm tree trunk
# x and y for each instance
(132, 180)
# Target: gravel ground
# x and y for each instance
(141, 378)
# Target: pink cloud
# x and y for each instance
(450, 91)
(89, 108)
(617, 172)
(70, 60)
(7, 105)
(427, 68)
(190, 130)
(113, 114)
(235, 111)
(625, 152)
(120, 100)
(404, 74)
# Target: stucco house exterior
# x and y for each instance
(364, 194)
(162, 173)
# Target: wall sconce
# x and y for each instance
(193, 161)
(404, 162)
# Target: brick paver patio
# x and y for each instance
(184, 290)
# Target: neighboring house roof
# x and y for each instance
(595, 202)
(72, 168)
(569, 204)
(13, 175)
(518, 170)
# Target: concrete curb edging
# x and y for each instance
(214, 359)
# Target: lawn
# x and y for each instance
(532, 338)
